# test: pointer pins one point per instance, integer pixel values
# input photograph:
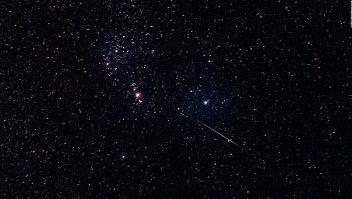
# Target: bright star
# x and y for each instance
(138, 97)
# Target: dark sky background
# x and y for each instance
(108, 99)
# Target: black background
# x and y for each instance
(277, 76)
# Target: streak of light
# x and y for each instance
(228, 139)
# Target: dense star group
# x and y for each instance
(175, 99)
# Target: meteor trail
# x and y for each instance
(228, 139)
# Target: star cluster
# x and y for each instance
(130, 99)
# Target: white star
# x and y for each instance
(138, 97)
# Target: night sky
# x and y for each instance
(175, 99)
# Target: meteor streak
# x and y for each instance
(228, 139)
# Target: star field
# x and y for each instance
(175, 99)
